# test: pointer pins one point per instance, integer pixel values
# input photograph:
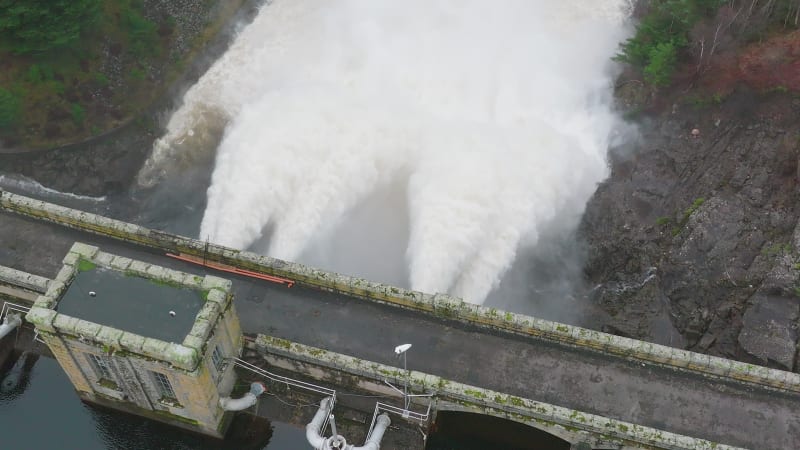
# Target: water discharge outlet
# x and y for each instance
(246, 401)
(337, 441)
(474, 121)
(10, 322)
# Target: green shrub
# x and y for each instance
(661, 64)
(100, 79)
(9, 108)
(57, 87)
(38, 73)
(696, 204)
(137, 73)
(39, 25)
(78, 113)
(142, 34)
(662, 34)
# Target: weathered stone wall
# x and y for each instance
(25, 280)
(196, 391)
(228, 338)
(132, 359)
(441, 305)
(21, 287)
(571, 425)
(66, 359)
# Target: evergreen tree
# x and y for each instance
(661, 34)
(31, 26)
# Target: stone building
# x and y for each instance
(141, 338)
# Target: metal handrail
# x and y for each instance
(37, 338)
(328, 415)
(9, 306)
(404, 413)
(286, 380)
(328, 392)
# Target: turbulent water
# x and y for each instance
(463, 127)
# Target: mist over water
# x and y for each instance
(472, 124)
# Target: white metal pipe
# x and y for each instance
(313, 428)
(318, 442)
(246, 401)
(10, 322)
(374, 441)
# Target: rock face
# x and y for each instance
(694, 239)
(96, 168)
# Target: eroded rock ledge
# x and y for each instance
(694, 238)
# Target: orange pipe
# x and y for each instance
(231, 269)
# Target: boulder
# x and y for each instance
(769, 329)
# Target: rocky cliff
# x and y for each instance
(694, 239)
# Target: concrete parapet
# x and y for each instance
(83, 250)
(131, 342)
(442, 305)
(569, 424)
(91, 330)
(41, 318)
(24, 280)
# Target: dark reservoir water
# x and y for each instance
(44, 412)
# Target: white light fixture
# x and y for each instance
(400, 349)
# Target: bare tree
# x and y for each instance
(706, 42)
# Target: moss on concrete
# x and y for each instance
(85, 266)
(443, 306)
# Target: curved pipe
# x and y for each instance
(374, 441)
(10, 322)
(313, 427)
(246, 401)
(319, 442)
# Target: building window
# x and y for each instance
(162, 385)
(217, 359)
(102, 366)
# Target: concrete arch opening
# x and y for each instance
(468, 431)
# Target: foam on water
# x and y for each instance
(25, 184)
(494, 116)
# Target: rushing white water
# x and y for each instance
(27, 185)
(494, 116)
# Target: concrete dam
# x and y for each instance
(589, 389)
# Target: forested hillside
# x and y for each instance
(73, 69)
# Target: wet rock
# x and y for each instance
(717, 219)
(769, 331)
(769, 327)
(706, 341)
(624, 299)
